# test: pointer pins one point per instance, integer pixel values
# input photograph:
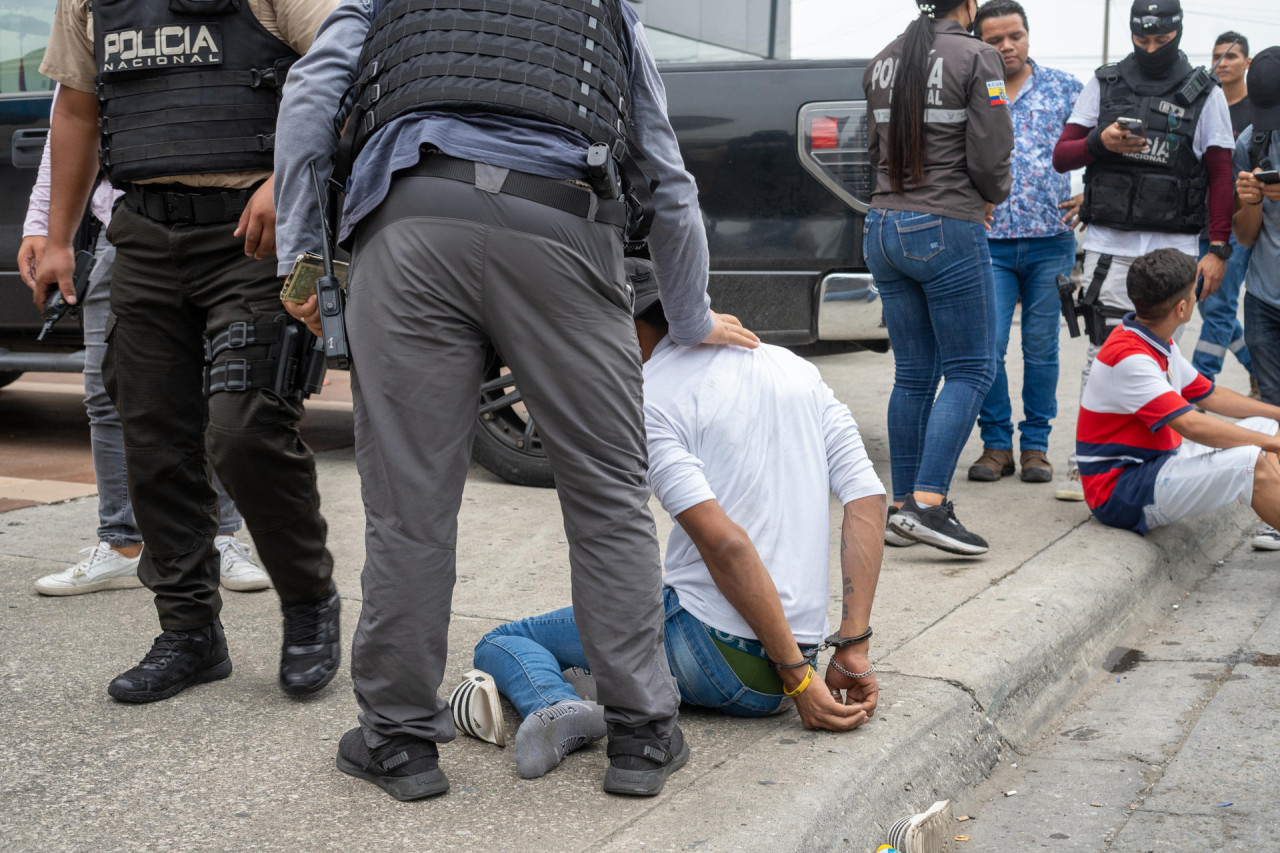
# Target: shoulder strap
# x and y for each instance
(1258, 158)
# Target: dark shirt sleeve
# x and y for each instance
(1217, 162)
(1072, 151)
(989, 141)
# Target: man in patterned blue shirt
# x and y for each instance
(1031, 243)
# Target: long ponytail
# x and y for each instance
(910, 91)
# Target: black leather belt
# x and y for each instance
(187, 206)
(549, 191)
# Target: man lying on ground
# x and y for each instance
(1140, 403)
(744, 446)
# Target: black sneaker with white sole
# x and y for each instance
(640, 761)
(407, 768)
(893, 537)
(937, 526)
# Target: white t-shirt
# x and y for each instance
(759, 432)
(1212, 131)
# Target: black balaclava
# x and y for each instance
(1156, 17)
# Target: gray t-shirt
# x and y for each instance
(1263, 277)
(678, 240)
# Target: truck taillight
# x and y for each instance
(833, 148)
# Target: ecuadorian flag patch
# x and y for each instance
(995, 91)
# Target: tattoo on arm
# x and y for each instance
(847, 593)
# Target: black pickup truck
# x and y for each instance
(778, 149)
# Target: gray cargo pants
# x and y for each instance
(440, 270)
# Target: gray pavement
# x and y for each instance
(977, 656)
(1177, 749)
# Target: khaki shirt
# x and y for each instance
(69, 59)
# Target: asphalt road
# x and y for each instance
(1175, 746)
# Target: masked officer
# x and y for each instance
(1154, 137)
(175, 100)
(475, 221)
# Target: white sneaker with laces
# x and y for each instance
(104, 568)
(1268, 539)
(1072, 489)
(237, 568)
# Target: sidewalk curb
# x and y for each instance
(951, 697)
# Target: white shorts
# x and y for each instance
(1200, 479)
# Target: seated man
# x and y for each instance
(1140, 403)
(744, 446)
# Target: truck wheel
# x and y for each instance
(507, 442)
(9, 376)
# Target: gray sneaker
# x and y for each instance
(930, 831)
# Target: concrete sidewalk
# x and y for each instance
(975, 656)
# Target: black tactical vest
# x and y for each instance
(557, 60)
(1165, 188)
(185, 87)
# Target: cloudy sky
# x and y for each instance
(1066, 34)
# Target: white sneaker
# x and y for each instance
(102, 569)
(932, 831)
(237, 568)
(1266, 540)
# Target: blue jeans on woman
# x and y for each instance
(525, 659)
(934, 275)
(1220, 330)
(1026, 271)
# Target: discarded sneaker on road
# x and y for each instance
(546, 736)
(931, 831)
(477, 708)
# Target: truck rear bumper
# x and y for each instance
(41, 362)
(849, 308)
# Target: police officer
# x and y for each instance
(476, 221)
(1154, 137)
(181, 117)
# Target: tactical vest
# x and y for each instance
(185, 87)
(556, 60)
(1165, 188)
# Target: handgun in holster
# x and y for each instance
(1098, 317)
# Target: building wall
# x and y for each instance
(739, 25)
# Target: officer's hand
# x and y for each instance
(1118, 140)
(1212, 268)
(1248, 188)
(55, 271)
(727, 330)
(1072, 206)
(258, 222)
(29, 255)
(308, 312)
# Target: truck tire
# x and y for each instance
(507, 443)
(9, 376)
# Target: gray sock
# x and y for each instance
(548, 735)
(582, 682)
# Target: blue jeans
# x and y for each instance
(1027, 271)
(1221, 331)
(116, 525)
(1262, 331)
(525, 659)
(934, 275)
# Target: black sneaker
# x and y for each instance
(407, 768)
(311, 652)
(893, 537)
(937, 526)
(177, 660)
(640, 762)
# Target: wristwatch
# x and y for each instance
(1222, 250)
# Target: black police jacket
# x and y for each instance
(1163, 189)
(185, 87)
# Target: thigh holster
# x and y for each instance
(293, 366)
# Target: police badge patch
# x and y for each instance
(162, 47)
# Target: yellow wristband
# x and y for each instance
(807, 678)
